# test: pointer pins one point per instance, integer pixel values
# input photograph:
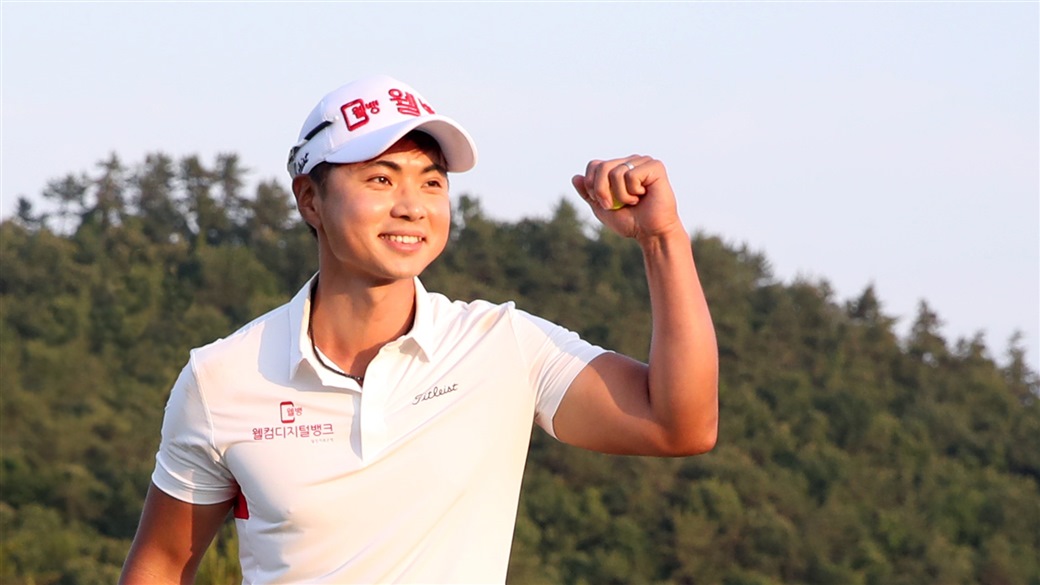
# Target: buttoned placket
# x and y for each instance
(374, 434)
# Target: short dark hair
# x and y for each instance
(428, 144)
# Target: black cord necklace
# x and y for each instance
(359, 379)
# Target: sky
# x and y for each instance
(893, 144)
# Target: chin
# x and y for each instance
(402, 273)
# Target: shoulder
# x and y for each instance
(247, 342)
(445, 311)
(480, 317)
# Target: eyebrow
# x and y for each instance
(396, 167)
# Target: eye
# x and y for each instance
(435, 184)
(380, 179)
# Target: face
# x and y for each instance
(382, 220)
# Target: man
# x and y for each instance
(369, 431)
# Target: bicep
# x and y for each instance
(171, 539)
(607, 408)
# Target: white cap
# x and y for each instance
(360, 120)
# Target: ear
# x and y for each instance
(307, 196)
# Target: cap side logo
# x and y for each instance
(302, 163)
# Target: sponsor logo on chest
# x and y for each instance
(435, 392)
(292, 428)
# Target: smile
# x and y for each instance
(402, 239)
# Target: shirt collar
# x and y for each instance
(422, 327)
(299, 326)
(300, 348)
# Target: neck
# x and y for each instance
(350, 323)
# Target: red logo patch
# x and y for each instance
(355, 113)
(288, 412)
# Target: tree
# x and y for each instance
(27, 217)
(157, 208)
(109, 195)
(70, 195)
(925, 343)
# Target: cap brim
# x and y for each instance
(460, 153)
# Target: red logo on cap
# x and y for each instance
(355, 113)
(407, 104)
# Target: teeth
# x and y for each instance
(404, 239)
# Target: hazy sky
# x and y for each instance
(885, 143)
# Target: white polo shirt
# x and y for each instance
(414, 478)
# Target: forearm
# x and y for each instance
(683, 369)
(134, 573)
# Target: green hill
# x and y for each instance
(846, 453)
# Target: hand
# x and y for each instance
(630, 195)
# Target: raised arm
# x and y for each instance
(171, 540)
(669, 406)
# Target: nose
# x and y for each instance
(408, 203)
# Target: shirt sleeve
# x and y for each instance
(188, 466)
(556, 355)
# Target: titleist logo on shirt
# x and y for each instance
(435, 392)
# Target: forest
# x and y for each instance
(848, 454)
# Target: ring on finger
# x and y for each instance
(630, 166)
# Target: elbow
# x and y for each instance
(701, 444)
(698, 435)
(693, 442)
(709, 440)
